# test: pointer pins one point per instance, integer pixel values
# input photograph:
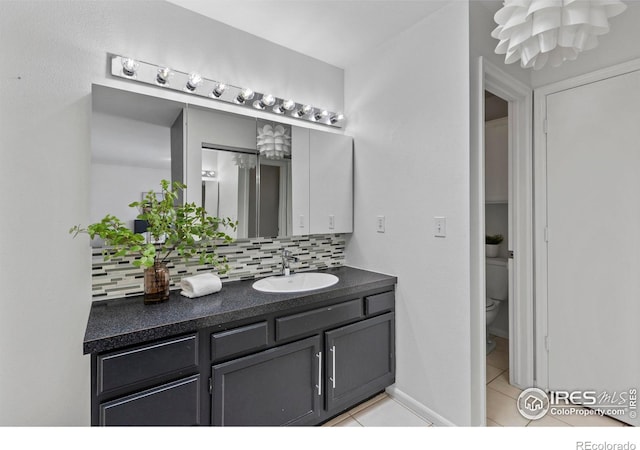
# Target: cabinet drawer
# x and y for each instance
(239, 340)
(122, 368)
(308, 321)
(380, 302)
(176, 403)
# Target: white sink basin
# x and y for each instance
(298, 282)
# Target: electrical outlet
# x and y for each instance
(301, 221)
(332, 221)
(380, 224)
(440, 226)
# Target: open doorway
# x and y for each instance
(497, 220)
(519, 235)
(517, 248)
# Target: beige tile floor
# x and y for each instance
(382, 410)
(501, 399)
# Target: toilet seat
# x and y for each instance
(492, 304)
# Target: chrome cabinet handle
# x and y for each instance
(333, 359)
(319, 385)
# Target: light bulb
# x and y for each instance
(266, 100)
(129, 67)
(306, 109)
(286, 105)
(194, 80)
(163, 75)
(218, 90)
(319, 115)
(244, 95)
(339, 117)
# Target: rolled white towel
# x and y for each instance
(199, 285)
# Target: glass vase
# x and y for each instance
(156, 283)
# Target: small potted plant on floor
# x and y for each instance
(492, 245)
(185, 229)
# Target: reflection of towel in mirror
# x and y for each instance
(199, 285)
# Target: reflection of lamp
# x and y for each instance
(245, 161)
(208, 175)
(537, 31)
(274, 142)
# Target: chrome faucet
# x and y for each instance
(286, 257)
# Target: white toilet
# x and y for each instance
(497, 291)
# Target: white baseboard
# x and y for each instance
(418, 408)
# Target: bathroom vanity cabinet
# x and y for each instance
(242, 357)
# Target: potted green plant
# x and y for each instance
(185, 229)
(492, 244)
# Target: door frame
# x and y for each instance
(487, 76)
(541, 218)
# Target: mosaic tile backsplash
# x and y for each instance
(247, 259)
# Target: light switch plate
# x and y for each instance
(440, 226)
(380, 224)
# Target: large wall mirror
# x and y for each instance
(276, 179)
(131, 149)
(246, 170)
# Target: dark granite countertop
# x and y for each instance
(127, 321)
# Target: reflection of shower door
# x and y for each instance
(275, 198)
(593, 218)
(211, 197)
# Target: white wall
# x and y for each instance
(408, 109)
(51, 53)
(617, 46)
(481, 24)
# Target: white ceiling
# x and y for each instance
(333, 31)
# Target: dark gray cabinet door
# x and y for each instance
(360, 360)
(280, 386)
(175, 403)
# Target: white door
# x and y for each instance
(593, 213)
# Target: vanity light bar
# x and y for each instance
(195, 84)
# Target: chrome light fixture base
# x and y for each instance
(216, 90)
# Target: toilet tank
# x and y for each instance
(497, 279)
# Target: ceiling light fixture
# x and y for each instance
(195, 84)
(554, 31)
